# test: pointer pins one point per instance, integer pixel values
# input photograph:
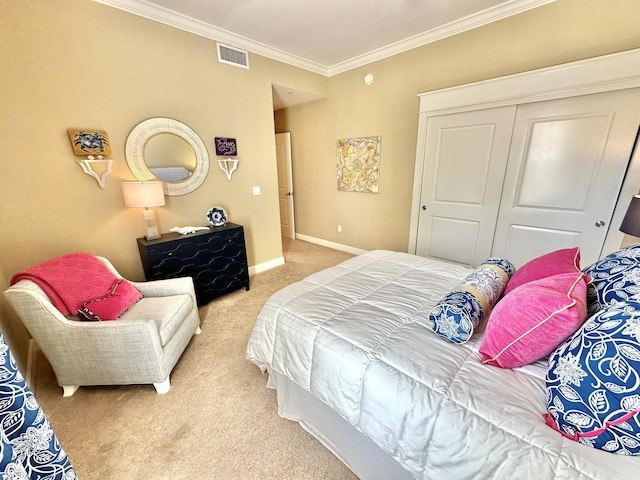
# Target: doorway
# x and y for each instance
(285, 185)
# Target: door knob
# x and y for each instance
(424, 207)
(599, 224)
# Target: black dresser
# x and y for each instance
(216, 259)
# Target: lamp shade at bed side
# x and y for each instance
(631, 222)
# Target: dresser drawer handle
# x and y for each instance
(170, 254)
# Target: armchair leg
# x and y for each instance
(163, 387)
(68, 390)
(198, 331)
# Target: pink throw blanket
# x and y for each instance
(70, 280)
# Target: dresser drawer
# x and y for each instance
(212, 284)
(197, 250)
(194, 258)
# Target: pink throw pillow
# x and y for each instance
(560, 261)
(531, 321)
(120, 297)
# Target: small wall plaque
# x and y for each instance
(226, 147)
(90, 142)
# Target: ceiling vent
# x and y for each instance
(233, 56)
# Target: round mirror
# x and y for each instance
(170, 151)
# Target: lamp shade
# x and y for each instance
(631, 221)
(143, 194)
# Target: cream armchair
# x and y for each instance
(142, 346)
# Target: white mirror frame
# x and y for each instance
(140, 135)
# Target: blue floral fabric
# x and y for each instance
(615, 278)
(593, 381)
(459, 313)
(29, 449)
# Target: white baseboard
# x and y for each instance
(261, 267)
(328, 244)
(276, 262)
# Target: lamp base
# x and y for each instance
(150, 225)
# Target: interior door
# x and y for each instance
(285, 184)
(465, 161)
(566, 165)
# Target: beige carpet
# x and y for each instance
(218, 421)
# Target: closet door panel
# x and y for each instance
(465, 159)
(524, 243)
(566, 165)
(453, 239)
(547, 168)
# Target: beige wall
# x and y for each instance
(13, 331)
(564, 31)
(79, 64)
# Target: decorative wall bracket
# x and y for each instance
(228, 166)
(87, 167)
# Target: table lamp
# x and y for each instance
(145, 195)
(631, 222)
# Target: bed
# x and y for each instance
(353, 362)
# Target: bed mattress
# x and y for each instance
(355, 337)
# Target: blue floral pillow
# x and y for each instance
(29, 449)
(460, 312)
(593, 379)
(615, 278)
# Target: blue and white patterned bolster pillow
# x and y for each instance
(459, 313)
(615, 278)
(593, 378)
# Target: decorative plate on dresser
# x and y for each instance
(217, 216)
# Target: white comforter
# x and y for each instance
(354, 336)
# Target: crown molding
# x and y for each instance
(197, 27)
(462, 25)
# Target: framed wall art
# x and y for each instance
(226, 147)
(358, 164)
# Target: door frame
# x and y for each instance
(594, 75)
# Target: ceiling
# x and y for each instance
(325, 36)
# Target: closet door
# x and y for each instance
(465, 160)
(566, 165)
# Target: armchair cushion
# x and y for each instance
(120, 297)
(167, 312)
